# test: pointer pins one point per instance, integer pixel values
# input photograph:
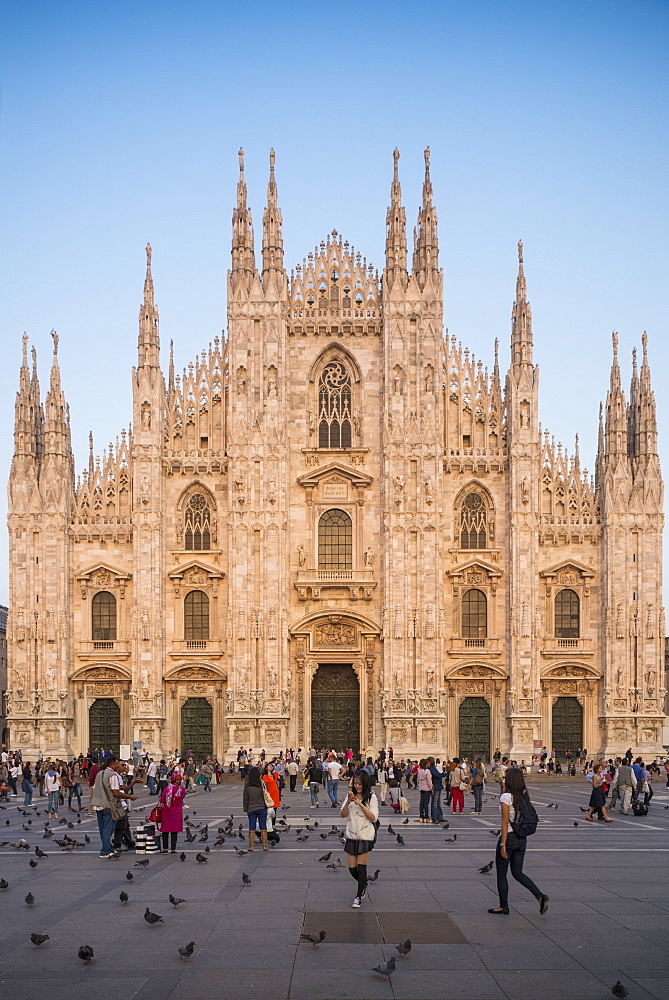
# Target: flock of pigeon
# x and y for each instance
(199, 832)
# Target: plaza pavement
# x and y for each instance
(608, 917)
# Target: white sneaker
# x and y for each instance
(356, 903)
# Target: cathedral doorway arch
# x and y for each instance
(474, 729)
(104, 725)
(335, 707)
(567, 729)
(197, 730)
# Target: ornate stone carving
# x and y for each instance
(335, 633)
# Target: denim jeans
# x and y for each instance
(28, 796)
(205, 782)
(106, 827)
(477, 792)
(436, 812)
(74, 791)
(333, 791)
(52, 805)
(515, 848)
(259, 816)
(313, 788)
(151, 782)
(424, 807)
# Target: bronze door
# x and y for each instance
(474, 735)
(335, 708)
(567, 726)
(197, 731)
(104, 725)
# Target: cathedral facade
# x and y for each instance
(336, 528)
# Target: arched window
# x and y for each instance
(197, 523)
(334, 406)
(335, 540)
(103, 610)
(196, 615)
(473, 533)
(474, 615)
(567, 614)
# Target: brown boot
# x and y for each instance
(263, 837)
(252, 839)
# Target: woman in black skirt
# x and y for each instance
(361, 812)
(597, 797)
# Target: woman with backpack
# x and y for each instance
(519, 820)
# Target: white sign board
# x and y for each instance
(124, 751)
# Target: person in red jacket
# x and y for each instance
(94, 768)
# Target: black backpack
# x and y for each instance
(317, 775)
(639, 809)
(526, 821)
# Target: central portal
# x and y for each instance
(335, 707)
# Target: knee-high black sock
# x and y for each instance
(362, 880)
(354, 873)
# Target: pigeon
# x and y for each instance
(390, 829)
(550, 805)
(326, 857)
(446, 825)
(575, 823)
(174, 900)
(87, 838)
(207, 849)
(85, 953)
(129, 876)
(400, 839)
(404, 948)
(124, 897)
(182, 856)
(314, 939)
(190, 837)
(187, 951)
(451, 840)
(201, 859)
(386, 969)
(495, 833)
(556, 806)
(40, 854)
(584, 810)
(305, 837)
(38, 939)
(324, 836)
(335, 866)
(619, 990)
(30, 899)
(240, 853)
(486, 868)
(142, 864)
(33, 864)
(152, 918)
(204, 838)
(406, 822)
(47, 835)
(4, 885)
(374, 876)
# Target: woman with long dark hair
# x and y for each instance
(361, 812)
(255, 807)
(597, 801)
(510, 846)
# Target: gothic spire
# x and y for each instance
(272, 237)
(646, 441)
(616, 412)
(633, 409)
(170, 377)
(57, 417)
(426, 245)
(396, 234)
(148, 344)
(521, 320)
(26, 410)
(243, 254)
(601, 451)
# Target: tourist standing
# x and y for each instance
(172, 817)
(597, 797)
(253, 804)
(476, 784)
(27, 784)
(512, 844)
(425, 788)
(458, 786)
(52, 789)
(436, 813)
(361, 812)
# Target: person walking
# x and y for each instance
(172, 816)
(206, 774)
(383, 783)
(27, 784)
(476, 784)
(425, 788)
(314, 774)
(361, 812)
(458, 786)
(253, 804)
(292, 769)
(151, 772)
(74, 787)
(334, 770)
(512, 844)
(597, 797)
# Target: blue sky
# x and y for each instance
(120, 124)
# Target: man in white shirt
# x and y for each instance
(333, 771)
(151, 773)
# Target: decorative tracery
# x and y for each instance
(335, 541)
(334, 406)
(473, 517)
(197, 523)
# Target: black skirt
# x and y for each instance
(597, 798)
(356, 847)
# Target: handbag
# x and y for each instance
(156, 815)
(404, 805)
(266, 794)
